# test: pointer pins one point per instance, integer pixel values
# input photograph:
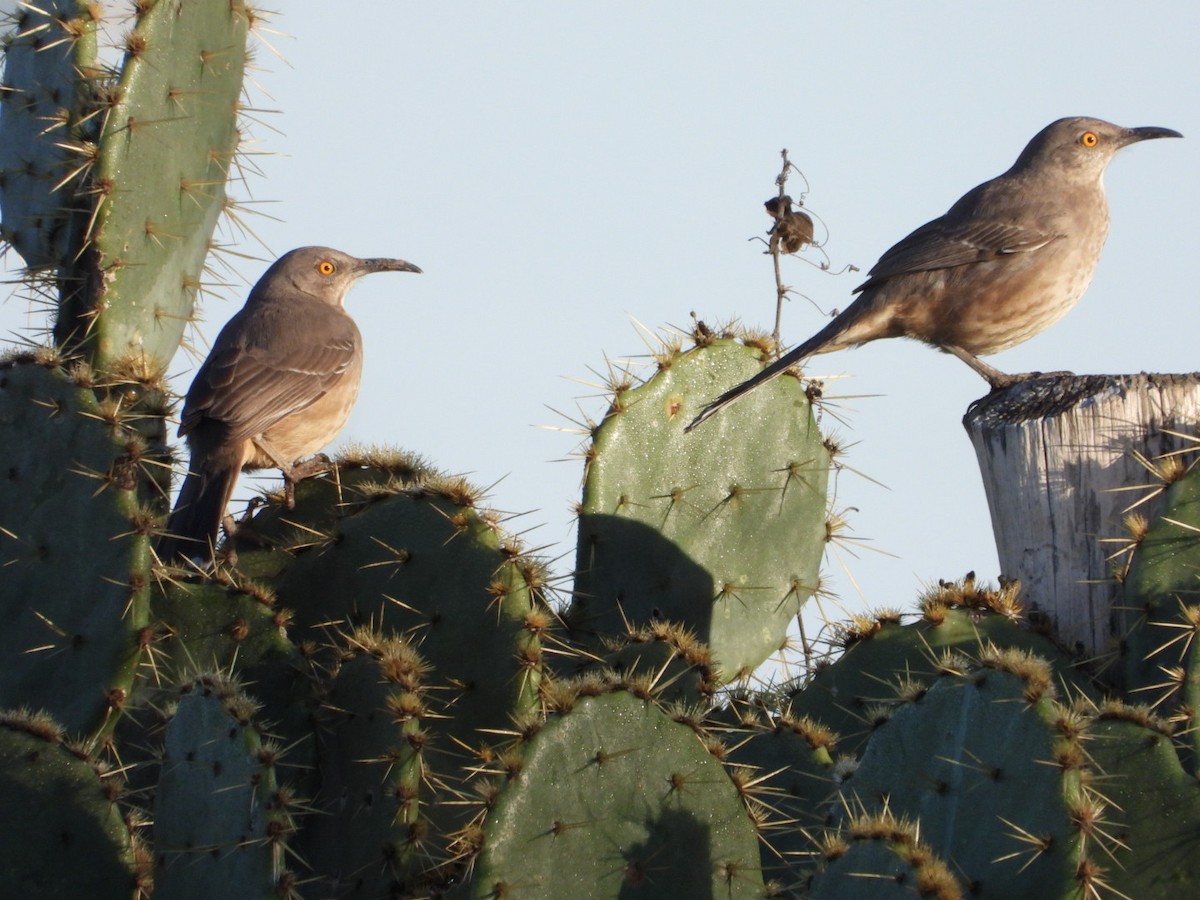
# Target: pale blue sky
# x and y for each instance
(560, 169)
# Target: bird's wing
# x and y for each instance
(939, 245)
(249, 387)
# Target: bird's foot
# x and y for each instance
(993, 376)
(314, 465)
(1002, 380)
(252, 506)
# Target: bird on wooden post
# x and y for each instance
(277, 386)
(1009, 259)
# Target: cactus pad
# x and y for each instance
(720, 530)
(74, 547)
(613, 799)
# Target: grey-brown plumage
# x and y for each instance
(1009, 259)
(278, 386)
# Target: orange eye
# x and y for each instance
(325, 267)
(1089, 139)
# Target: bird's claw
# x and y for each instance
(1002, 381)
(314, 465)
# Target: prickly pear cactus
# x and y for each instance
(73, 524)
(417, 558)
(115, 180)
(986, 736)
(66, 835)
(110, 185)
(219, 817)
(229, 625)
(1022, 795)
(48, 128)
(680, 664)
(425, 625)
(614, 799)
(885, 662)
(163, 160)
(878, 856)
(1159, 661)
(1146, 800)
(371, 693)
(721, 530)
(382, 834)
(789, 767)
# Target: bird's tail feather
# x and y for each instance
(815, 344)
(195, 521)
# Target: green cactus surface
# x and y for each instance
(165, 152)
(791, 761)
(71, 526)
(270, 535)
(66, 834)
(218, 820)
(213, 627)
(885, 663)
(374, 836)
(1149, 807)
(880, 857)
(614, 799)
(419, 559)
(721, 530)
(50, 82)
(1160, 653)
(678, 665)
(991, 768)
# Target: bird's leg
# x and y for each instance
(301, 469)
(990, 374)
(314, 465)
(243, 529)
(993, 376)
(293, 471)
(230, 527)
(285, 469)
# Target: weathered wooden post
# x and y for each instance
(1060, 463)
